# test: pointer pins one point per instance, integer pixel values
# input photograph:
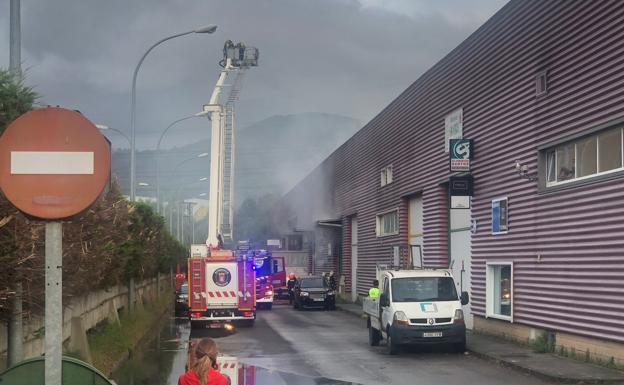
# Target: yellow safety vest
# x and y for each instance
(373, 292)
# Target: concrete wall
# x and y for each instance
(89, 309)
(598, 349)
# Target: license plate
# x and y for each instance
(317, 299)
(215, 325)
(432, 334)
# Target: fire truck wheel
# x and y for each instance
(269, 306)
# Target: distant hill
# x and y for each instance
(272, 155)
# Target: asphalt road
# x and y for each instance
(334, 345)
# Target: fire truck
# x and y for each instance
(222, 284)
(222, 288)
(270, 276)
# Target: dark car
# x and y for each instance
(181, 301)
(314, 292)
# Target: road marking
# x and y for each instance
(52, 162)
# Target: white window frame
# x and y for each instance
(489, 290)
(575, 142)
(499, 200)
(387, 176)
(378, 227)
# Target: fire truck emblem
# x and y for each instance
(221, 277)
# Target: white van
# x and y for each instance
(416, 307)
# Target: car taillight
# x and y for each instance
(458, 318)
(248, 314)
(195, 315)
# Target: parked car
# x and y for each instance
(181, 301)
(314, 291)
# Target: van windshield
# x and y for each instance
(421, 289)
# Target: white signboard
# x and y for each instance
(52, 162)
(274, 242)
(453, 127)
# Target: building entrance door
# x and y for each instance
(416, 233)
(354, 257)
(461, 256)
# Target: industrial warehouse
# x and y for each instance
(528, 112)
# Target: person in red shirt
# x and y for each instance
(204, 367)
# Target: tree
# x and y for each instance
(15, 97)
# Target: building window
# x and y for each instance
(388, 223)
(295, 242)
(499, 290)
(386, 175)
(500, 216)
(583, 158)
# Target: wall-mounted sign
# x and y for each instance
(453, 127)
(499, 216)
(461, 185)
(274, 242)
(460, 155)
(460, 191)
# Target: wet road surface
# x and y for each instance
(310, 347)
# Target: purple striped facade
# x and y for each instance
(566, 242)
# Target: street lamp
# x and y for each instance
(143, 184)
(197, 115)
(107, 128)
(207, 29)
(203, 179)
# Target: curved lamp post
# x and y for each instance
(207, 29)
(197, 115)
(107, 128)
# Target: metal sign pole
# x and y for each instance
(53, 302)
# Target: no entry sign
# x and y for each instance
(54, 163)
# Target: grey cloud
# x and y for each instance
(335, 56)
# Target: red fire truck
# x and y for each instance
(270, 276)
(222, 288)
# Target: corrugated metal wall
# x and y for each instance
(576, 284)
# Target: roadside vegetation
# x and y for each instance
(110, 342)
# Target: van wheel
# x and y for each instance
(391, 346)
(374, 336)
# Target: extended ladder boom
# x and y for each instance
(236, 60)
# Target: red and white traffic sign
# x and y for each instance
(54, 163)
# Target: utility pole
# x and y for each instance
(15, 348)
(15, 53)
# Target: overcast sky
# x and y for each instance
(348, 57)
